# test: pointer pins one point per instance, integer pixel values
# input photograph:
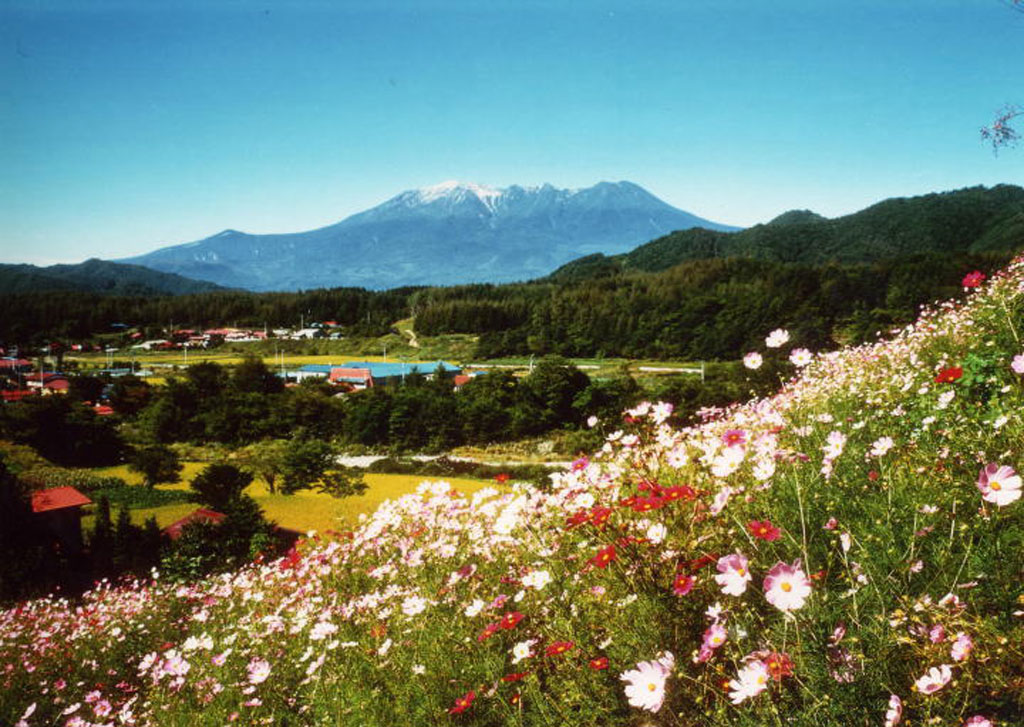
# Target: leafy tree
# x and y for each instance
(85, 388)
(305, 462)
(126, 540)
(219, 485)
(342, 482)
(253, 376)
(208, 379)
(129, 395)
(156, 464)
(266, 460)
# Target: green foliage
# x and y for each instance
(342, 482)
(62, 431)
(21, 552)
(156, 464)
(305, 461)
(217, 486)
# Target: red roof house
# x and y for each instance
(58, 498)
(59, 510)
(360, 378)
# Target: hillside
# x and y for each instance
(976, 220)
(98, 276)
(843, 552)
(446, 234)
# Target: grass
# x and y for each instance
(305, 510)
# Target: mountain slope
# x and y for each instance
(446, 234)
(98, 276)
(976, 219)
(845, 549)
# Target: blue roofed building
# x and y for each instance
(382, 374)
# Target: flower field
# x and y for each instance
(845, 552)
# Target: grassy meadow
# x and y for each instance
(305, 510)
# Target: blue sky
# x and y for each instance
(127, 126)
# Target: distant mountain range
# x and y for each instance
(447, 234)
(971, 220)
(98, 276)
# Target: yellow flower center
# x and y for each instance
(651, 687)
(995, 486)
(786, 587)
(741, 571)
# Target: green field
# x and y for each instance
(305, 510)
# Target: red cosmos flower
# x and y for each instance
(599, 663)
(510, 619)
(489, 631)
(681, 492)
(514, 677)
(872, 475)
(603, 557)
(643, 504)
(559, 647)
(763, 530)
(949, 375)
(779, 665)
(463, 703)
(576, 519)
(973, 280)
(599, 516)
(501, 478)
(683, 585)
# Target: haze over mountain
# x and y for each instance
(441, 235)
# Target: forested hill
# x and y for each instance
(976, 219)
(98, 276)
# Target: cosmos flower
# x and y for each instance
(645, 685)
(800, 357)
(603, 557)
(934, 680)
(973, 280)
(463, 703)
(999, 484)
(733, 575)
(881, 446)
(751, 680)
(536, 579)
(734, 438)
(753, 360)
(1017, 364)
(894, 713)
(558, 648)
(962, 646)
(599, 663)
(522, 650)
(777, 338)
(978, 721)
(510, 619)
(763, 530)
(683, 584)
(949, 375)
(786, 586)
(259, 670)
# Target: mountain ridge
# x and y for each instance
(98, 276)
(450, 233)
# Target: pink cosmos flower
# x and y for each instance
(733, 575)
(973, 280)
(894, 713)
(935, 679)
(999, 484)
(259, 670)
(734, 438)
(645, 685)
(786, 586)
(753, 360)
(800, 357)
(1017, 365)
(962, 647)
(751, 680)
(978, 721)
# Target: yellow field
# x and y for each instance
(302, 511)
(227, 358)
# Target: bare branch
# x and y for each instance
(1001, 132)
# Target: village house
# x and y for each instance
(58, 511)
